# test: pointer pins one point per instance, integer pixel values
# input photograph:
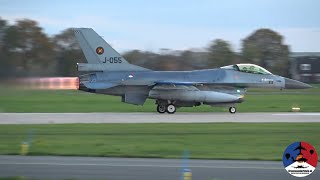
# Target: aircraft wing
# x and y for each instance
(221, 88)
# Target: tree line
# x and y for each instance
(26, 50)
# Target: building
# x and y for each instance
(305, 66)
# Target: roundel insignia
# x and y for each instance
(99, 50)
(300, 159)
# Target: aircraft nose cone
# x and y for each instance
(293, 84)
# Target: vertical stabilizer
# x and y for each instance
(98, 51)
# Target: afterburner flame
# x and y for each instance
(50, 83)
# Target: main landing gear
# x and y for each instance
(164, 106)
(169, 108)
(161, 109)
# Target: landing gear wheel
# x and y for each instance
(161, 108)
(171, 109)
(232, 110)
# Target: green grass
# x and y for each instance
(14, 100)
(15, 178)
(261, 141)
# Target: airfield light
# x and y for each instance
(295, 108)
(24, 148)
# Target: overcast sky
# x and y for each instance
(175, 24)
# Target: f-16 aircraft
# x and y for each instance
(107, 72)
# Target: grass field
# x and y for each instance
(14, 178)
(263, 141)
(257, 100)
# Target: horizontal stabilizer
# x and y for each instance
(99, 85)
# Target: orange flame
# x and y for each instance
(50, 83)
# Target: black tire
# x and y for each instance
(171, 108)
(161, 109)
(232, 110)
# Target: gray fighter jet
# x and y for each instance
(107, 72)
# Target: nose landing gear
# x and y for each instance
(232, 110)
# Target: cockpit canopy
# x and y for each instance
(247, 68)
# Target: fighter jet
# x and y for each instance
(107, 72)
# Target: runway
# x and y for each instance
(39, 167)
(61, 118)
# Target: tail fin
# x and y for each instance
(98, 51)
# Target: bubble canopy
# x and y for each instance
(247, 68)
